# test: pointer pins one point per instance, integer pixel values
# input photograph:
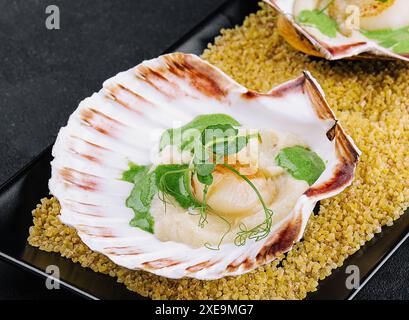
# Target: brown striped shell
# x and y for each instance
(113, 127)
(303, 39)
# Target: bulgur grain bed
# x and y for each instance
(371, 98)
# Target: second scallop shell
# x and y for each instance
(352, 29)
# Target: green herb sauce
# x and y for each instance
(141, 196)
(301, 163)
(168, 180)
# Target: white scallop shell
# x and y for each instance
(113, 126)
(340, 47)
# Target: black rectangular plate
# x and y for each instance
(20, 195)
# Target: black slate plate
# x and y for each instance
(20, 195)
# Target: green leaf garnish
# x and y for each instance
(223, 140)
(230, 145)
(402, 47)
(141, 196)
(204, 169)
(395, 39)
(301, 163)
(318, 19)
(207, 179)
(199, 123)
(174, 180)
(134, 169)
(144, 222)
(218, 131)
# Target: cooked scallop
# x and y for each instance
(232, 197)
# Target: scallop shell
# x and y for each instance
(113, 126)
(313, 43)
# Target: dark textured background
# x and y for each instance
(44, 74)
